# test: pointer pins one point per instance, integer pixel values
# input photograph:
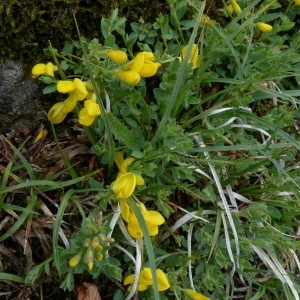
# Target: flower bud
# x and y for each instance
(87, 242)
(56, 114)
(74, 261)
(99, 255)
(117, 56)
(263, 27)
(95, 242)
(89, 258)
(236, 8)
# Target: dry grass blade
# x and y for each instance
(271, 261)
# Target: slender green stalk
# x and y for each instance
(148, 245)
(178, 84)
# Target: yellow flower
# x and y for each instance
(122, 163)
(88, 113)
(44, 69)
(194, 295)
(145, 280)
(194, 58)
(76, 87)
(142, 65)
(56, 114)
(74, 261)
(117, 56)
(125, 210)
(236, 7)
(297, 2)
(152, 219)
(125, 184)
(77, 91)
(263, 27)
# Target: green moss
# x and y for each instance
(27, 26)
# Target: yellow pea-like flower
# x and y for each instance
(194, 57)
(297, 2)
(56, 114)
(145, 280)
(43, 69)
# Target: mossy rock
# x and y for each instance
(27, 26)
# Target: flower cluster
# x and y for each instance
(145, 280)
(77, 90)
(92, 249)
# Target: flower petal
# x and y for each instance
(128, 279)
(50, 68)
(139, 180)
(130, 77)
(138, 62)
(70, 103)
(80, 90)
(149, 69)
(154, 217)
(133, 227)
(38, 70)
(65, 86)
(84, 118)
(124, 185)
(194, 295)
(125, 210)
(162, 280)
(56, 114)
(119, 158)
(146, 276)
(92, 108)
(126, 163)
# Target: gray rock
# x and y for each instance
(20, 96)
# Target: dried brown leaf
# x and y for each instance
(87, 291)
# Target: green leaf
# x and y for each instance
(49, 89)
(148, 245)
(121, 132)
(11, 277)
